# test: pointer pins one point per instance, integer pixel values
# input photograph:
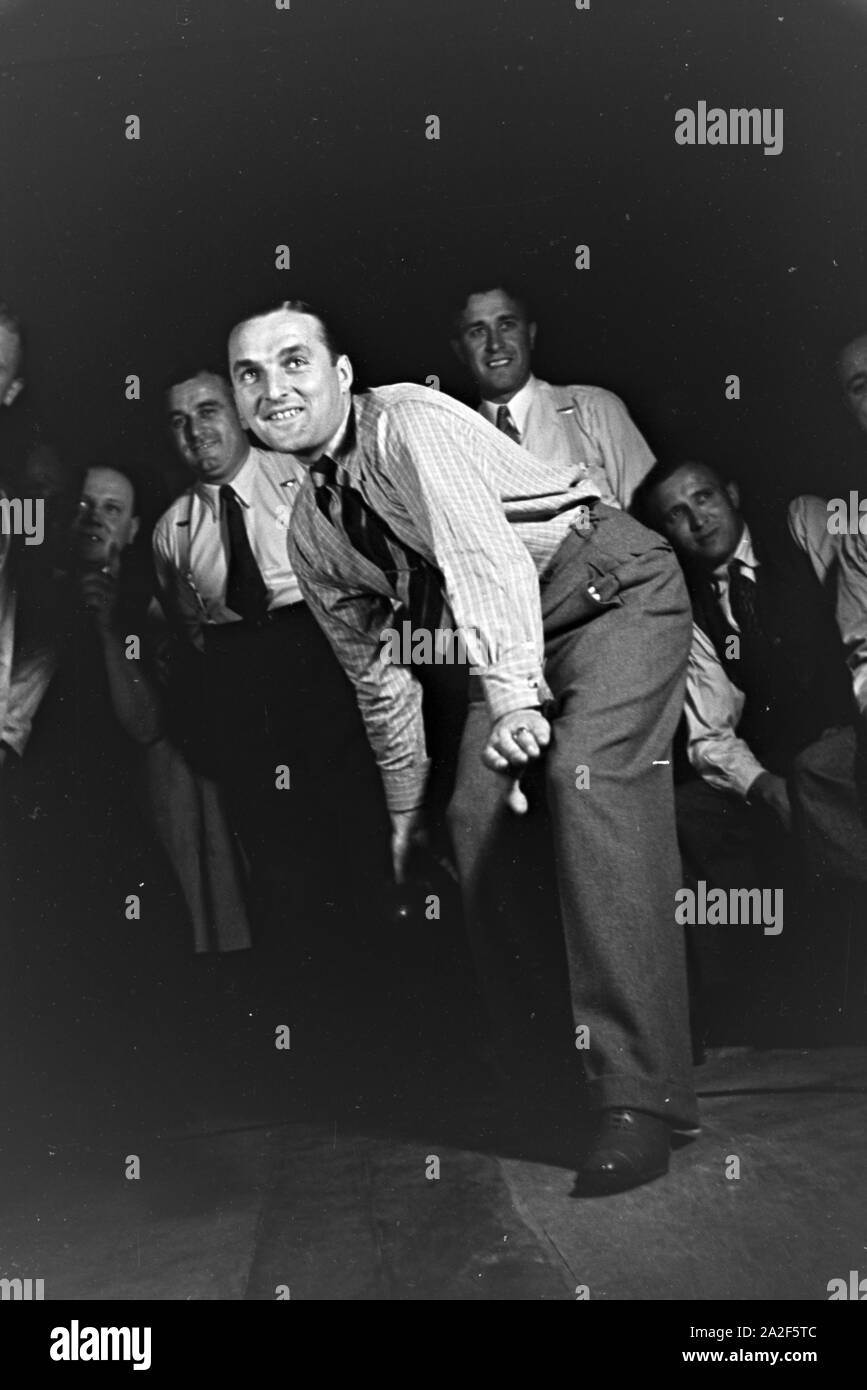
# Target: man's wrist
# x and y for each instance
(760, 786)
(499, 709)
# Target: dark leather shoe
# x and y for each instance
(631, 1148)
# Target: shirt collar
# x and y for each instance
(744, 554)
(340, 442)
(518, 407)
(241, 485)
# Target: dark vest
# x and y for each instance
(796, 684)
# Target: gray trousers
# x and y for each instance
(615, 663)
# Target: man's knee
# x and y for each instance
(831, 759)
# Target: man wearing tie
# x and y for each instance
(768, 706)
(269, 711)
(582, 426)
(410, 498)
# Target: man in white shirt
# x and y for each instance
(270, 712)
(26, 663)
(494, 337)
(852, 581)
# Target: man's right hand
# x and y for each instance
(407, 836)
(773, 792)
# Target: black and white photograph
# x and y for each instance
(433, 663)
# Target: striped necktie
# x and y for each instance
(347, 510)
(744, 603)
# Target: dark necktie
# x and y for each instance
(346, 509)
(506, 424)
(744, 603)
(246, 590)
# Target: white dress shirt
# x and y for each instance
(191, 543)
(852, 611)
(24, 673)
(714, 705)
(584, 426)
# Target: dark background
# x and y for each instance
(307, 127)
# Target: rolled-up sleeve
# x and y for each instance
(713, 710)
(389, 696)
(31, 675)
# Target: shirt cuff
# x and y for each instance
(506, 693)
(405, 787)
(744, 775)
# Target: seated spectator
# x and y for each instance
(768, 707)
(852, 575)
(77, 797)
(766, 679)
(23, 446)
(29, 469)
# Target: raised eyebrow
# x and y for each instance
(293, 350)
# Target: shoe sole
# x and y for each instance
(598, 1186)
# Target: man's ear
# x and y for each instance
(733, 493)
(133, 529)
(531, 333)
(345, 372)
(13, 389)
(458, 350)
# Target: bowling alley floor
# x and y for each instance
(181, 1155)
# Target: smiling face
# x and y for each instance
(853, 377)
(106, 519)
(699, 515)
(205, 427)
(10, 365)
(288, 388)
(495, 341)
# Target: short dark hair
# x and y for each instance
(189, 371)
(642, 507)
(483, 284)
(332, 336)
